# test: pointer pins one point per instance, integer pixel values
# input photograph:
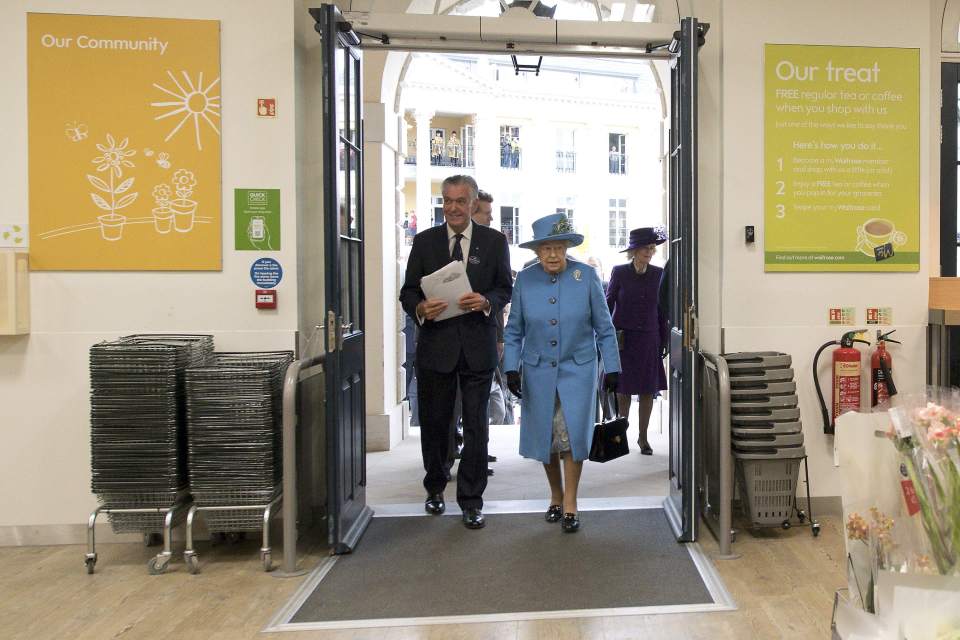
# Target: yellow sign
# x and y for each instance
(124, 138)
(841, 158)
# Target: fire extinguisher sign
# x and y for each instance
(842, 316)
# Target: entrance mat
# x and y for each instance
(432, 570)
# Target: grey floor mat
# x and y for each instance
(412, 567)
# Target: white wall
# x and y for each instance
(44, 380)
(788, 311)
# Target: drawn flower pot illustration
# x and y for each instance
(162, 219)
(111, 226)
(183, 214)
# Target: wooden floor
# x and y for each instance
(783, 584)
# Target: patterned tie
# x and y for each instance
(457, 250)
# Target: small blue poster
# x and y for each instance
(266, 273)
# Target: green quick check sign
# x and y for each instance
(257, 219)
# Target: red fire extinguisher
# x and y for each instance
(846, 370)
(881, 370)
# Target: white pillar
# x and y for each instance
(424, 207)
(486, 155)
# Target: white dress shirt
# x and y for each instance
(464, 248)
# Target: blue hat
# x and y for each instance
(645, 235)
(553, 228)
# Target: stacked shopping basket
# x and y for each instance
(234, 430)
(767, 437)
(138, 430)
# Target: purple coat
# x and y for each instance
(633, 301)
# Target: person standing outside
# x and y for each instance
(558, 319)
(632, 296)
(457, 351)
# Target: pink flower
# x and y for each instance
(857, 527)
(940, 432)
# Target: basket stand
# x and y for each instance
(268, 511)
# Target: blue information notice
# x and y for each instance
(266, 273)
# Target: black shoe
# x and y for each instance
(489, 472)
(491, 458)
(554, 513)
(570, 523)
(473, 519)
(434, 504)
(645, 449)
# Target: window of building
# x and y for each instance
(618, 223)
(510, 224)
(618, 153)
(468, 145)
(566, 156)
(437, 210)
(566, 205)
(509, 146)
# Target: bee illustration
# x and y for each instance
(163, 159)
(76, 131)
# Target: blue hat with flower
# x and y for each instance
(553, 228)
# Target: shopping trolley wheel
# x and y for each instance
(267, 560)
(815, 527)
(193, 563)
(158, 564)
(802, 515)
(785, 524)
(91, 563)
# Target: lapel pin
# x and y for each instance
(473, 260)
(577, 275)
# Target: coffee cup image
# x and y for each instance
(876, 232)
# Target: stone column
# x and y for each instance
(424, 208)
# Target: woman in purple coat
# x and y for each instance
(632, 298)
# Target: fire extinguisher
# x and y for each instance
(881, 370)
(845, 380)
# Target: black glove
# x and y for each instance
(513, 383)
(610, 381)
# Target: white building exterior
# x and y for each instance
(583, 138)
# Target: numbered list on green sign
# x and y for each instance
(257, 219)
(841, 158)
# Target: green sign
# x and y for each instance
(257, 219)
(841, 158)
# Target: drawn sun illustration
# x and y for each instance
(193, 102)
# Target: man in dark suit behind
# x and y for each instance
(460, 350)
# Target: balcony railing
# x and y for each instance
(566, 161)
(618, 163)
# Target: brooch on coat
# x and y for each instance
(577, 275)
(473, 260)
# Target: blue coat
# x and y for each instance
(555, 326)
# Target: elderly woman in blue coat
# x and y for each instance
(558, 317)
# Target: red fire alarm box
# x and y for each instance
(266, 298)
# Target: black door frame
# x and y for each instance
(949, 165)
(347, 514)
(682, 505)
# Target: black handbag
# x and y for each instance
(609, 437)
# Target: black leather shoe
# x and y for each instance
(570, 523)
(554, 513)
(491, 458)
(473, 519)
(646, 449)
(434, 504)
(489, 472)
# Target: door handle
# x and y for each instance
(331, 332)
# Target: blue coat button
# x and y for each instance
(553, 279)
(553, 321)
(553, 343)
(553, 301)
(553, 364)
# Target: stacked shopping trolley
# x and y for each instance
(767, 437)
(137, 434)
(234, 429)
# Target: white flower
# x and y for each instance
(114, 156)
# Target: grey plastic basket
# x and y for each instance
(768, 486)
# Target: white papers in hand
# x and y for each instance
(449, 284)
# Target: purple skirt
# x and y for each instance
(641, 364)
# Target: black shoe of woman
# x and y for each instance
(554, 513)
(570, 523)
